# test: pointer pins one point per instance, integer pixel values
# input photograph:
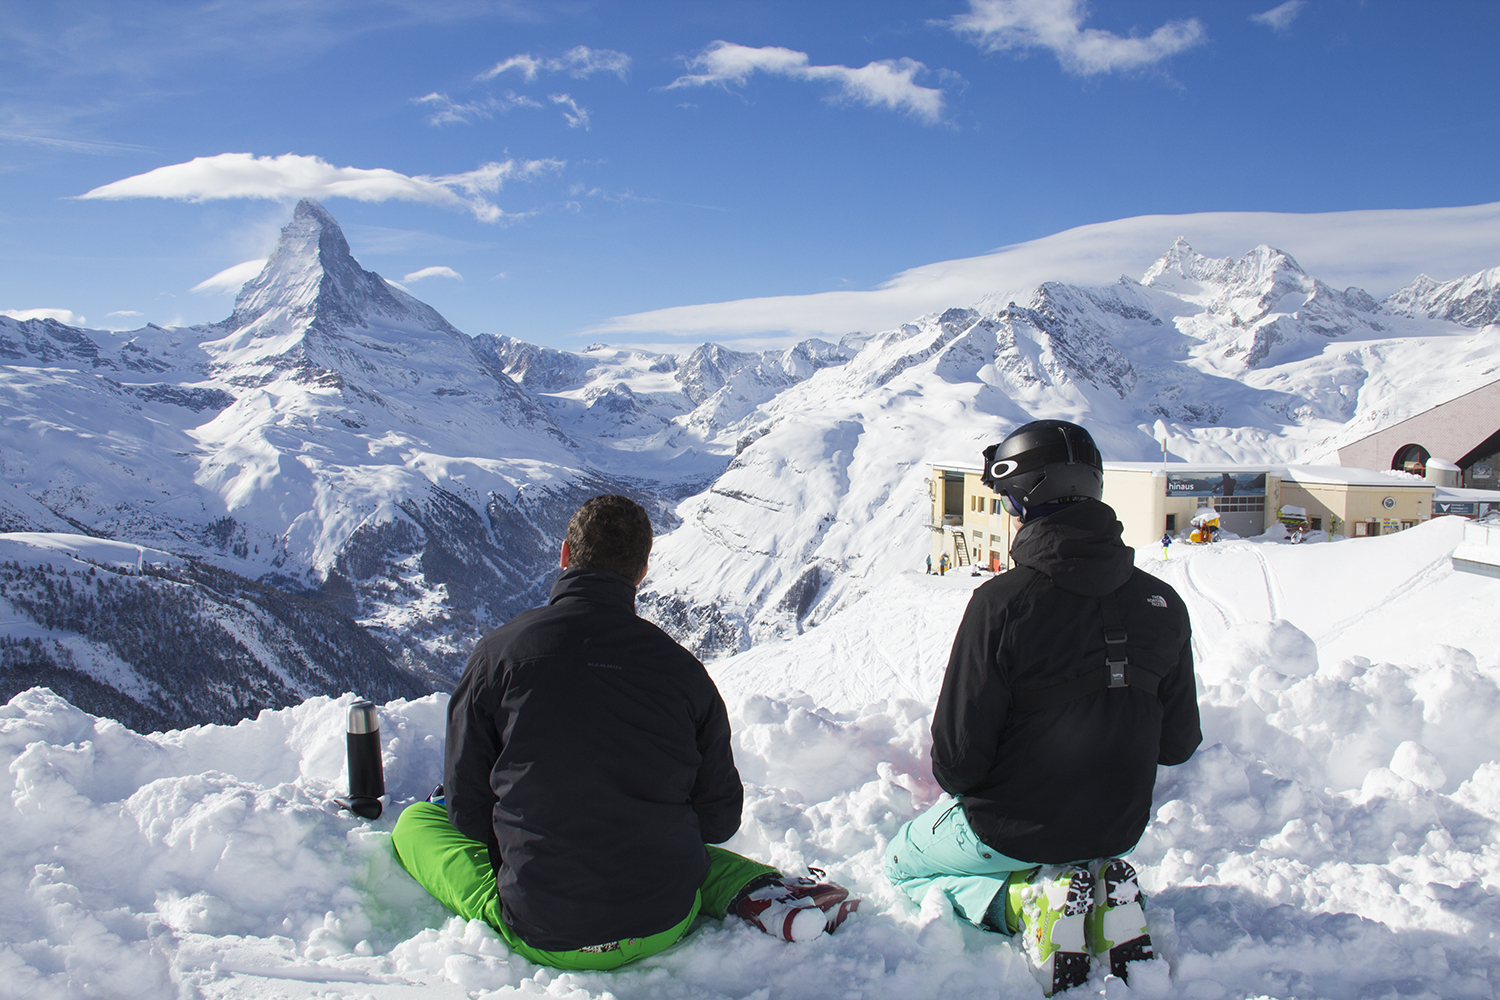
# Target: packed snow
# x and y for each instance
(1333, 837)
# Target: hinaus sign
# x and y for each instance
(1221, 484)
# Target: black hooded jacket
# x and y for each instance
(591, 753)
(1073, 781)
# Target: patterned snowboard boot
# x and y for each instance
(1117, 922)
(1051, 906)
(794, 909)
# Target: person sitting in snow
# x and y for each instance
(588, 769)
(1069, 681)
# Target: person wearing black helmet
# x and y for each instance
(1070, 680)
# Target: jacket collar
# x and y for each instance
(598, 586)
(1079, 547)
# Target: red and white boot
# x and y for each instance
(794, 909)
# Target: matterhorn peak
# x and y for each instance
(312, 281)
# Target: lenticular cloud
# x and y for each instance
(245, 175)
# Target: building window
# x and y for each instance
(1412, 458)
(1316, 523)
(995, 506)
(1240, 505)
(1171, 522)
(1483, 473)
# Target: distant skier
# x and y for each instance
(943, 564)
(929, 564)
(1070, 680)
(588, 766)
(1166, 543)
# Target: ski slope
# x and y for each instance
(1333, 837)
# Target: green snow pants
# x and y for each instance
(456, 870)
(940, 848)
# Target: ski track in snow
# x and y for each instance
(1334, 836)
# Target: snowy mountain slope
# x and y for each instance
(159, 642)
(641, 407)
(333, 436)
(1333, 837)
(1241, 360)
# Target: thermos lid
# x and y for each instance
(362, 718)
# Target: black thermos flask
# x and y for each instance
(366, 775)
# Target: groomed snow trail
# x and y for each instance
(1334, 837)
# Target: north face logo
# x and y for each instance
(1156, 601)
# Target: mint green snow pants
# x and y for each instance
(940, 848)
(456, 870)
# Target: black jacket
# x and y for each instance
(591, 753)
(1073, 781)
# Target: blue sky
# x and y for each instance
(538, 168)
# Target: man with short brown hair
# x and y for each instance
(588, 767)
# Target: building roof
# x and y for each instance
(1337, 475)
(1307, 475)
(1455, 494)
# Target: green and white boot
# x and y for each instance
(1050, 908)
(1117, 922)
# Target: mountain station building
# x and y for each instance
(969, 526)
(1461, 437)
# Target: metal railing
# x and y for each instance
(1482, 534)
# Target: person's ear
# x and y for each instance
(644, 570)
(566, 557)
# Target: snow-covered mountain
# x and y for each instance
(159, 642)
(669, 408)
(336, 438)
(1473, 300)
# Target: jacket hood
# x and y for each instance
(1079, 548)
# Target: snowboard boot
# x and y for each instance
(1117, 922)
(794, 909)
(1050, 906)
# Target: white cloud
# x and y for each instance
(887, 83)
(61, 315)
(230, 279)
(577, 117)
(1377, 250)
(289, 176)
(1057, 25)
(1281, 17)
(579, 61)
(442, 110)
(432, 272)
(124, 312)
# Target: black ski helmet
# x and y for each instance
(1043, 462)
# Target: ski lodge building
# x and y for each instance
(969, 526)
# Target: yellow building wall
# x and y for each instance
(1139, 498)
(985, 530)
(1356, 505)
